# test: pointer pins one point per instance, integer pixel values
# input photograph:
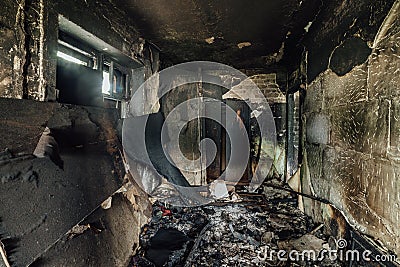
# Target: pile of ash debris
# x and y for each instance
(245, 233)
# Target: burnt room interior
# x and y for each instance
(76, 189)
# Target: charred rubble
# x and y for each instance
(231, 234)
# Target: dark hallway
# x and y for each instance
(199, 133)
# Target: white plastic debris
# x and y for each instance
(106, 204)
(219, 189)
(243, 44)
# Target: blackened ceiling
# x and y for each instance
(187, 30)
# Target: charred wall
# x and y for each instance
(13, 53)
(350, 118)
(25, 71)
(338, 21)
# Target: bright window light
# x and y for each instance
(70, 58)
(106, 83)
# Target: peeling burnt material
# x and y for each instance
(339, 21)
(352, 52)
(105, 237)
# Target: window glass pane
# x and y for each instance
(106, 83)
(70, 58)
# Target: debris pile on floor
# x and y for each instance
(229, 234)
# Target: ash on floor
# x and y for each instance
(230, 234)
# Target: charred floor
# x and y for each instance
(199, 133)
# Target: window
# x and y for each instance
(114, 77)
(71, 58)
(116, 89)
(106, 88)
(71, 50)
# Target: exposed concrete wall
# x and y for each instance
(351, 140)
